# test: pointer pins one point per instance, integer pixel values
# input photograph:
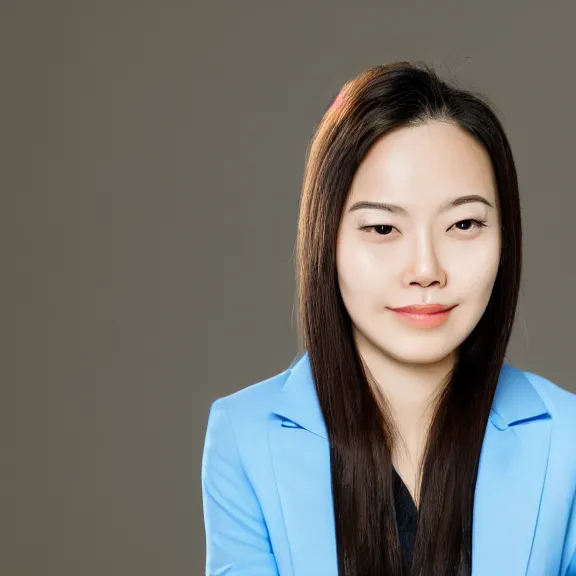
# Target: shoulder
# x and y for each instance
(560, 402)
(242, 416)
(253, 401)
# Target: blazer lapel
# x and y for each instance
(301, 460)
(511, 475)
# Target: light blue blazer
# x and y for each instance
(267, 493)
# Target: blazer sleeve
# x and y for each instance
(237, 541)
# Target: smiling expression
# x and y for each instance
(420, 226)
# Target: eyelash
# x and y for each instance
(476, 224)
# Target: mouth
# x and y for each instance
(423, 308)
(424, 315)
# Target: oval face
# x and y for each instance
(419, 243)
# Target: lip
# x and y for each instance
(423, 308)
(424, 315)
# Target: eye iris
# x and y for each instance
(465, 224)
(383, 229)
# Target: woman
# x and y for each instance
(400, 442)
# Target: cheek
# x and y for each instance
(351, 276)
(474, 274)
(356, 276)
(361, 274)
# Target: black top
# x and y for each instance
(407, 519)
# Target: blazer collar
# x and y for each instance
(515, 399)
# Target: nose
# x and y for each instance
(424, 268)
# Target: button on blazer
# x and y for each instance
(266, 484)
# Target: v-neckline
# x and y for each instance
(404, 493)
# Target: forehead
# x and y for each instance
(424, 164)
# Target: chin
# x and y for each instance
(429, 357)
(417, 352)
(410, 349)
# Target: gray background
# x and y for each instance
(152, 158)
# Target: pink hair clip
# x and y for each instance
(338, 100)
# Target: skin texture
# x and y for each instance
(428, 255)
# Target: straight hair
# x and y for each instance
(360, 431)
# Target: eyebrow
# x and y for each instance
(395, 209)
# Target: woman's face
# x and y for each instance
(420, 226)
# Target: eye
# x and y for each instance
(469, 224)
(380, 229)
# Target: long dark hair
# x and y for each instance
(360, 432)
